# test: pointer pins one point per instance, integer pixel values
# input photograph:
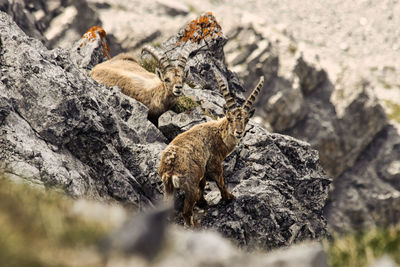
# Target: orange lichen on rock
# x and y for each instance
(205, 26)
(92, 34)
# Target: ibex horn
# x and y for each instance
(252, 97)
(183, 57)
(162, 59)
(230, 101)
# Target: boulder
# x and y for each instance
(91, 49)
(60, 128)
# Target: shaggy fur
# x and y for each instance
(157, 92)
(197, 155)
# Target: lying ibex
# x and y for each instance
(197, 154)
(157, 92)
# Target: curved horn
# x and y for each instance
(162, 59)
(230, 101)
(183, 57)
(252, 97)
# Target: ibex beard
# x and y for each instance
(197, 154)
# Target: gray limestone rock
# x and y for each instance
(280, 188)
(172, 124)
(60, 128)
(310, 75)
(91, 49)
(369, 193)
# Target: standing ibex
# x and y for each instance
(157, 92)
(197, 154)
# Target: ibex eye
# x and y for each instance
(167, 80)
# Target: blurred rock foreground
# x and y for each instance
(61, 129)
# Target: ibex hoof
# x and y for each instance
(202, 203)
(227, 199)
(189, 222)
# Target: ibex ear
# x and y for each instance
(251, 112)
(159, 73)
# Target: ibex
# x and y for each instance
(158, 92)
(197, 154)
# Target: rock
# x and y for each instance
(302, 255)
(338, 115)
(129, 24)
(310, 76)
(256, 57)
(281, 102)
(360, 118)
(62, 129)
(172, 124)
(271, 194)
(142, 235)
(284, 108)
(126, 238)
(187, 248)
(210, 101)
(211, 107)
(91, 49)
(277, 182)
(19, 12)
(366, 194)
(384, 261)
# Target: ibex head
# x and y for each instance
(238, 117)
(172, 77)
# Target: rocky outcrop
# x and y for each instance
(369, 193)
(277, 182)
(59, 128)
(338, 115)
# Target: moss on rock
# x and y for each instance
(184, 104)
